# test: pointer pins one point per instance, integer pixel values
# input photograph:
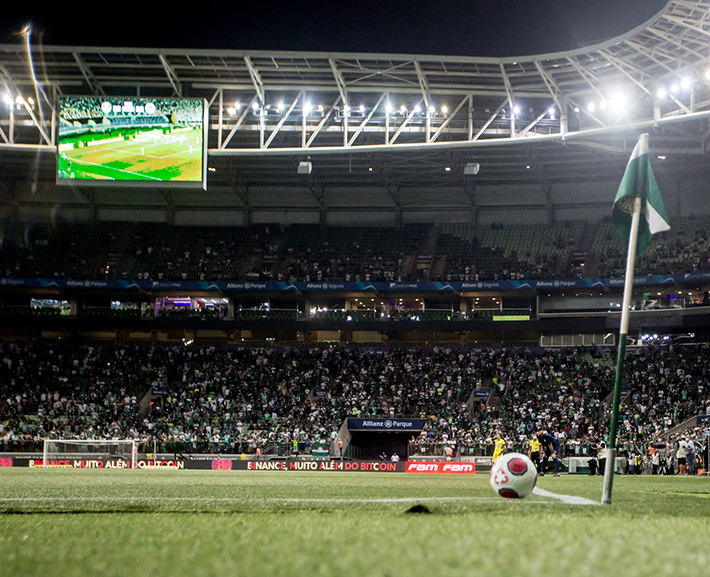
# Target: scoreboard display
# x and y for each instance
(132, 140)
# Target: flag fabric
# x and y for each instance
(639, 181)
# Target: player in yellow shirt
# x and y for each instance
(534, 448)
(499, 446)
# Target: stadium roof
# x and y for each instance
(396, 120)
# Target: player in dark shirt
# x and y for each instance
(551, 447)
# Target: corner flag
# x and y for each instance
(639, 181)
(638, 213)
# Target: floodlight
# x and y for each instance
(304, 167)
(618, 101)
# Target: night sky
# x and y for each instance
(454, 27)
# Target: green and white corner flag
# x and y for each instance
(638, 214)
(639, 181)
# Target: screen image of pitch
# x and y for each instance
(131, 139)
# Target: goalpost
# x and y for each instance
(126, 449)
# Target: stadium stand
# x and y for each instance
(314, 253)
(434, 272)
(207, 398)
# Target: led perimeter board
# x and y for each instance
(140, 141)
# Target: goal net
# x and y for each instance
(59, 450)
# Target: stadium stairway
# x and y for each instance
(494, 396)
(585, 245)
(430, 241)
(680, 428)
(407, 270)
(126, 260)
(609, 399)
(425, 255)
(438, 267)
(274, 263)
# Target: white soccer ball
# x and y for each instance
(513, 476)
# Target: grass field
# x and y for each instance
(149, 156)
(166, 522)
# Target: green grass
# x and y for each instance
(69, 522)
(162, 157)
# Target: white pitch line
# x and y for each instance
(566, 499)
(387, 500)
(242, 499)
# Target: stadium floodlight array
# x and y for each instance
(59, 449)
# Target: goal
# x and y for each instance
(57, 450)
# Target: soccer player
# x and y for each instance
(551, 447)
(534, 448)
(499, 446)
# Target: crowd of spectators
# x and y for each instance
(192, 253)
(368, 254)
(181, 110)
(685, 248)
(306, 253)
(209, 398)
(497, 266)
(501, 252)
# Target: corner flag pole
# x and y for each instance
(638, 195)
(623, 330)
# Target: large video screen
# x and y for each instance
(139, 140)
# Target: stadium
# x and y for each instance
(287, 306)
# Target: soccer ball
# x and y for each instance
(513, 476)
